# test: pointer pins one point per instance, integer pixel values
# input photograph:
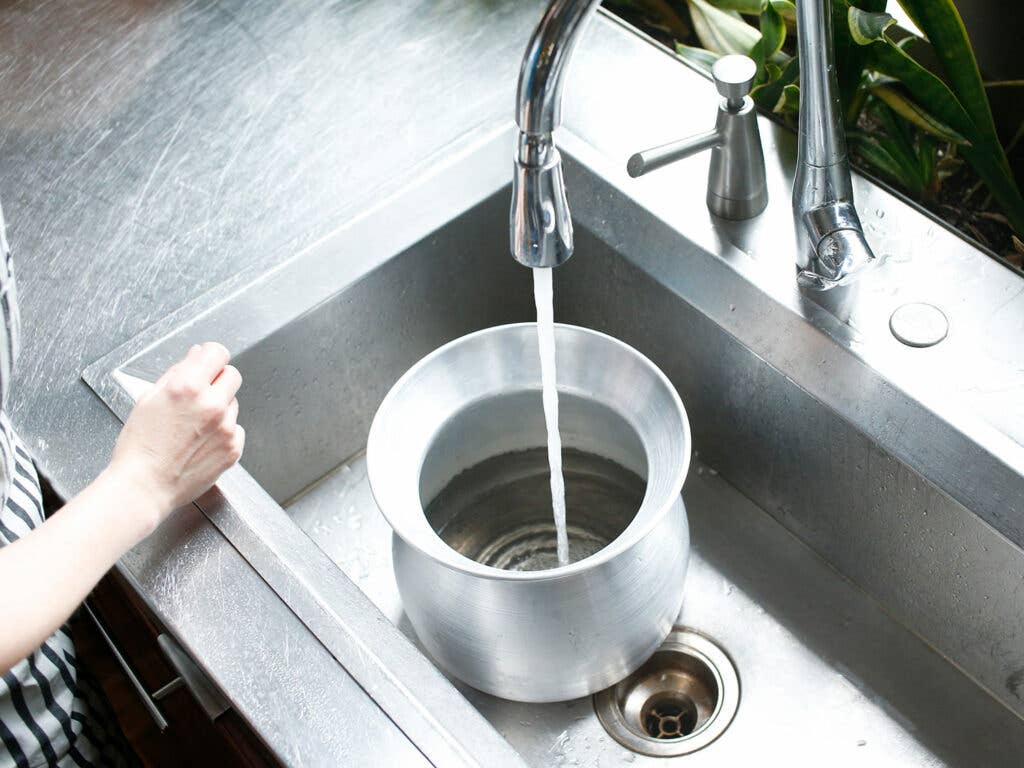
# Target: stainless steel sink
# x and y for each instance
(873, 615)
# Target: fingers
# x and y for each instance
(232, 436)
(238, 444)
(232, 414)
(225, 448)
(225, 386)
(205, 362)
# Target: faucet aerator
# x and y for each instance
(540, 224)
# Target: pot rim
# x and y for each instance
(435, 547)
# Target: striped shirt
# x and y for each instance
(48, 702)
(51, 711)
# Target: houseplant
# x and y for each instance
(916, 109)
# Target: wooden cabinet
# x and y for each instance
(190, 737)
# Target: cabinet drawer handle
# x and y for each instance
(192, 677)
(147, 700)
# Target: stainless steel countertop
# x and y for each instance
(161, 148)
(149, 151)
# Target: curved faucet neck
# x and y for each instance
(540, 224)
(539, 95)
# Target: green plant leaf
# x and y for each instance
(773, 30)
(698, 57)
(941, 24)
(906, 43)
(928, 160)
(915, 114)
(888, 59)
(785, 8)
(849, 57)
(859, 99)
(880, 159)
(789, 100)
(907, 161)
(773, 35)
(767, 95)
(749, 7)
(721, 31)
(874, 154)
(985, 153)
(867, 27)
(900, 130)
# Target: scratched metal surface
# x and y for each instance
(151, 149)
(828, 677)
(975, 375)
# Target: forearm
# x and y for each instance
(181, 435)
(49, 572)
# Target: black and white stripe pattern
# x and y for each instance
(48, 703)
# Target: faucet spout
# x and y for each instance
(832, 249)
(540, 224)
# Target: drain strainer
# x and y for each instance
(679, 701)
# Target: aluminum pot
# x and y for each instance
(562, 632)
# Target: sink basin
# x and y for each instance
(823, 558)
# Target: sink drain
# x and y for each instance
(670, 715)
(679, 701)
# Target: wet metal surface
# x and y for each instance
(164, 147)
(808, 460)
(498, 512)
(872, 516)
(150, 150)
(827, 677)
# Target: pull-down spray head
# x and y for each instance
(540, 224)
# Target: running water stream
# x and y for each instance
(543, 294)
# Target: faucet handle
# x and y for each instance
(734, 77)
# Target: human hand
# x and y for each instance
(182, 433)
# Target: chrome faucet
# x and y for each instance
(540, 224)
(830, 238)
(831, 243)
